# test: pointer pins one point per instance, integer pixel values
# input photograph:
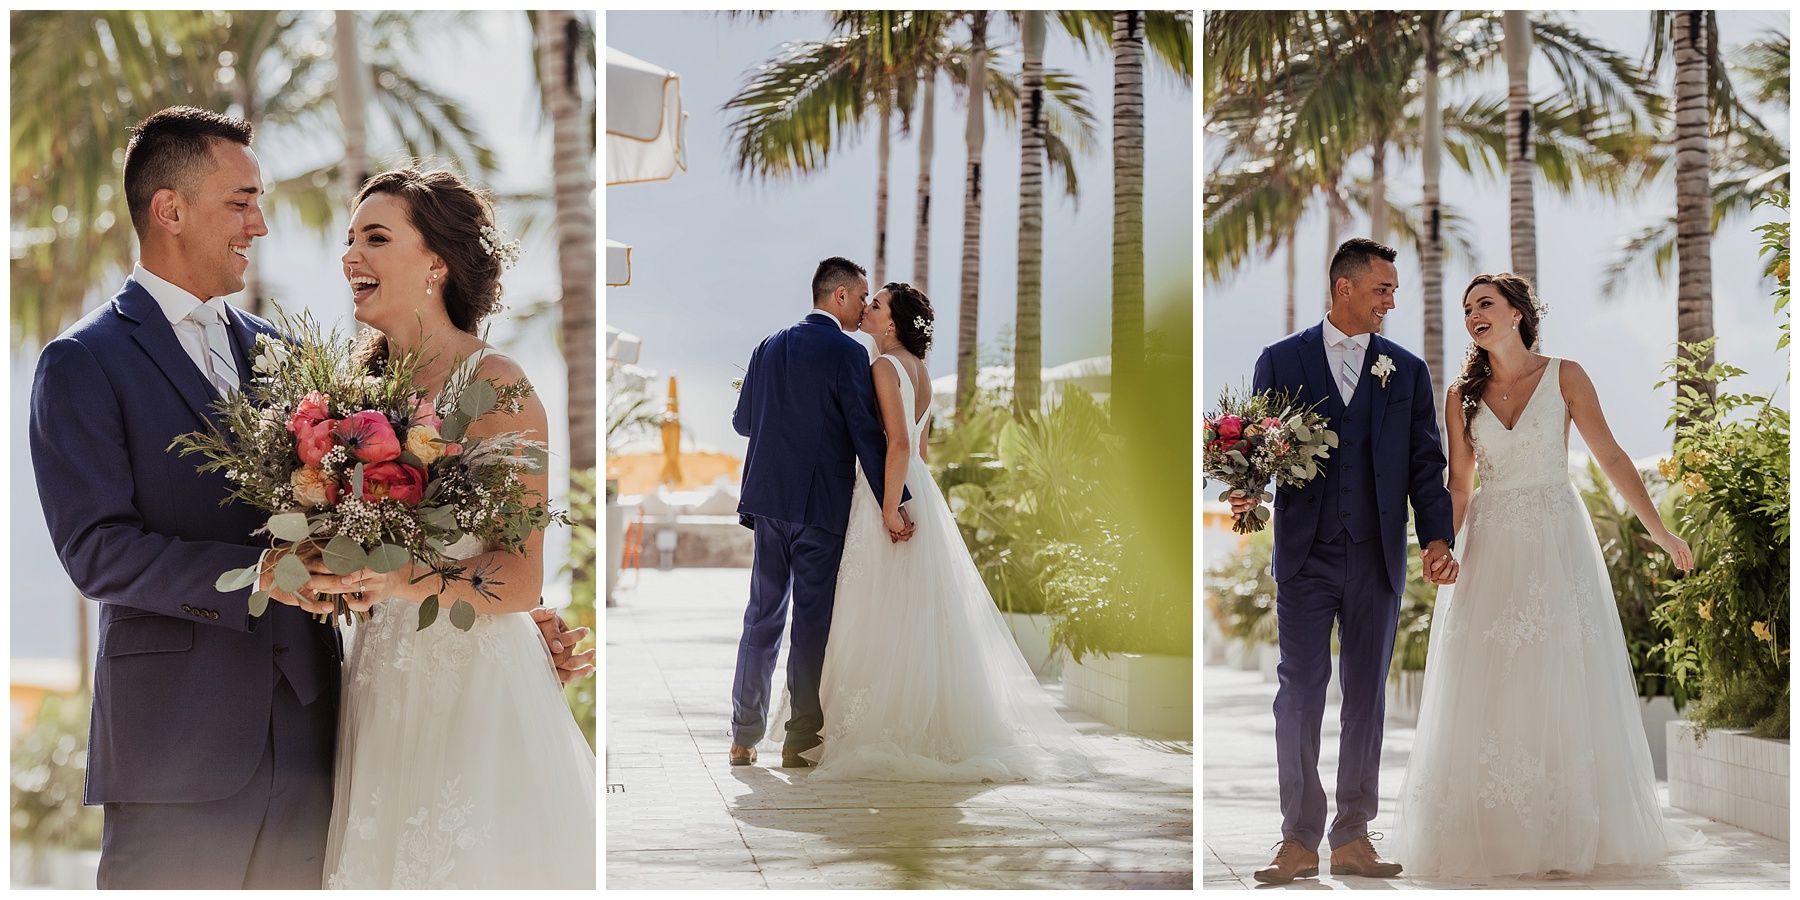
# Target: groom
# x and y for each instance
(213, 732)
(1340, 553)
(807, 405)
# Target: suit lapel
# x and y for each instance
(1377, 394)
(1318, 369)
(243, 339)
(157, 337)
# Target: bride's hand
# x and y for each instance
(898, 526)
(1677, 550)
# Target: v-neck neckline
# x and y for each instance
(1528, 401)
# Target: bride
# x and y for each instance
(1530, 757)
(921, 681)
(458, 765)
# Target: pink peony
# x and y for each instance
(314, 440)
(369, 437)
(313, 409)
(1271, 423)
(1230, 427)
(394, 481)
(425, 413)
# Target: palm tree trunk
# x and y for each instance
(1431, 247)
(1378, 211)
(1337, 218)
(922, 224)
(1128, 208)
(1292, 267)
(572, 168)
(882, 149)
(968, 315)
(1521, 159)
(1028, 356)
(245, 89)
(1693, 198)
(353, 107)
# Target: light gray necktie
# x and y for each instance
(1347, 375)
(221, 369)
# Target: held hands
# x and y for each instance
(322, 582)
(899, 525)
(1440, 566)
(1676, 548)
(1243, 504)
(569, 664)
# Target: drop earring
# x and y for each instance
(429, 282)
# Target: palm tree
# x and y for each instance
(80, 78)
(1431, 244)
(564, 39)
(1693, 199)
(1028, 353)
(352, 104)
(1518, 144)
(975, 134)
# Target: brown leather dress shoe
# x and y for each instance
(742, 756)
(1359, 858)
(1291, 861)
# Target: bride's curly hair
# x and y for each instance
(1477, 369)
(449, 214)
(910, 307)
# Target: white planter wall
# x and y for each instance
(1032, 633)
(1404, 692)
(1147, 694)
(1657, 713)
(1730, 776)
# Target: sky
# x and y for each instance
(719, 262)
(304, 271)
(1622, 343)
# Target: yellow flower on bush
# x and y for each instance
(1761, 630)
(1667, 468)
(1695, 484)
(1696, 458)
(419, 443)
(1705, 610)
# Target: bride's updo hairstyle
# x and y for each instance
(912, 317)
(449, 215)
(1478, 369)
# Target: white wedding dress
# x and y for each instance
(922, 681)
(1530, 754)
(459, 764)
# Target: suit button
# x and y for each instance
(1344, 515)
(1346, 490)
(186, 608)
(280, 649)
(212, 614)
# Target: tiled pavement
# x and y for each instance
(679, 816)
(1241, 810)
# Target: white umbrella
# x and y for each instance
(618, 264)
(622, 347)
(646, 129)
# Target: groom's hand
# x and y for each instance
(899, 525)
(1440, 566)
(1241, 505)
(307, 596)
(569, 664)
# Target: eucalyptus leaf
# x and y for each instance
(442, 518)
(259, 603)
(408, 457)
(356, 484)
(1302, 433)
(462, 615)
(291, 574)
(428, 612)
(237, 579)
(1262, 512)
(387, 558)
(538, 460)
(477, 399)
(290, 526)
(453, 427)
(344, 555)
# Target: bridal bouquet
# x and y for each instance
(1251, 438)
(367, 470)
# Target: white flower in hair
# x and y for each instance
(493, 241)
(923, 326)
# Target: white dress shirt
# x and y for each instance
(1339, 348)
(176, 305)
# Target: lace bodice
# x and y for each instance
(1535, 451)
(908, 399)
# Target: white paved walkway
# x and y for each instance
(1242, 810)
(679, 816)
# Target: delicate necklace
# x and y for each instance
(1507, 395)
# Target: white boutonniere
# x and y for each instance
(1382, 369)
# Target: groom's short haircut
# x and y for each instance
(832, 274)
(1352, 259)
(173, 149)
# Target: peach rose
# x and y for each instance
(313, 489)
(419, 440)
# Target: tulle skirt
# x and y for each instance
(459, 764)
(922, 681)
(1530, 753)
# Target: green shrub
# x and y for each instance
(1240, 590)
(584, 568)
(49, 771)
(1640, 573)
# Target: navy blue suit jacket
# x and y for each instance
(808, 407)
(185, 676)
(1404, 446)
